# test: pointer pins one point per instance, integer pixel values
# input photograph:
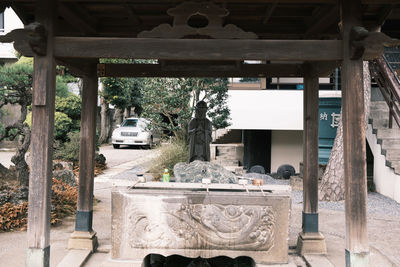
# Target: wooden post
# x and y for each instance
(357, 252)
(84, 237)
(40, 179)
(310, 240)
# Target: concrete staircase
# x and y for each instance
(389, 139)
(227, 155)
(227, 136)
(385, 147)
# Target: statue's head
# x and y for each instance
(201, 110)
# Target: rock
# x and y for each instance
(257, 169)
(63, 171)
(67, 176)
(285, 171)
(197, 170)
(100, 159)
(12, 195)
(62, 165)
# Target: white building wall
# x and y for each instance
(266, 109)
(278, 110)
(286, 148)
(11, 22)
(269, 109)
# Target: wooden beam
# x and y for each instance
(40, 178)
(324, 69)
(87, 149)
(84, 237)
(3, 5)
(310, 240)
(78, 67)
(354, 144)
(158, 70)
(231, 1)
(310, 143)
(364, 2)
(198, 49)
(269, 11)
(78, 22)
(384, 14)
(132, 17)
(327, 17)
(18, 10)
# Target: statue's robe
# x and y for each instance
(199, 139)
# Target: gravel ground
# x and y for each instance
(378, 205)
(267, 179)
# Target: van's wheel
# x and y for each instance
(116, 146)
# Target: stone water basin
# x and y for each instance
(199, 220)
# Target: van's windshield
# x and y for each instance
(130, 123)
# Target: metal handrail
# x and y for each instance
(389, 85)
(391, 68)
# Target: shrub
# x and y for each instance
(170, 155)
(13, 214)
(69, 151)
(62, 126)
(70, 105)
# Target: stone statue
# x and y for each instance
(200, 134)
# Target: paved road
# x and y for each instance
(5, 158)
(122, 155)
(113, 156)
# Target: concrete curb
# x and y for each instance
(75, 257)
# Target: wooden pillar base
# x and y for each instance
(83, 240)
(311, 243)
(39, 257)
(357, 259)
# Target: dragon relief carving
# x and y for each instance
(200, 226)
(209, 11)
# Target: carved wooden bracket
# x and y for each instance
(369, 45)
(213, 28)
(28, 41)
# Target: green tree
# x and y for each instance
(16, 88)
(123, 93)
(169, 102)
(63, 76)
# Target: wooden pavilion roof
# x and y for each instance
(268, 19)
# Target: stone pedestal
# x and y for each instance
(357, 259)
(311, 243)
(83, 240)
(38, 257)
(196, 220)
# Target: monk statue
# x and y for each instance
(200, 134)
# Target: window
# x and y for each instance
(2, 22)
(129, 123)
